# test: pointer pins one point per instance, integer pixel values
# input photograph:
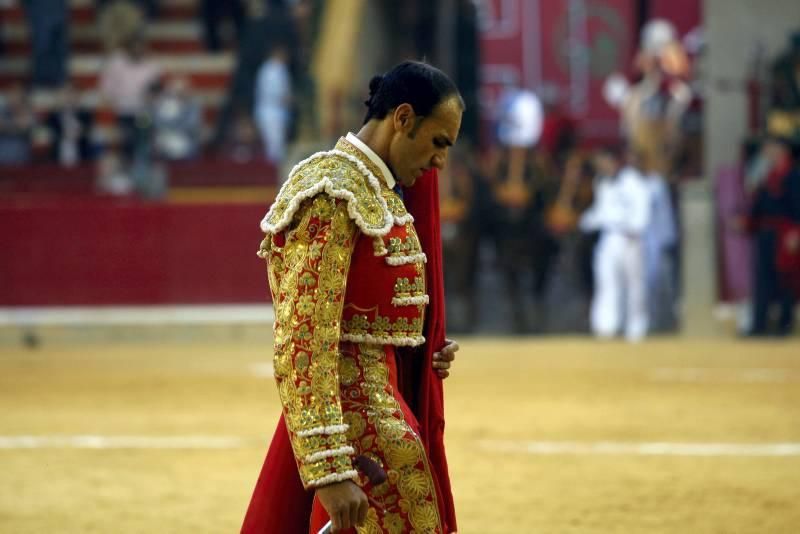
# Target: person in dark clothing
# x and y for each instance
(267, 23)
(70, 125)
(775, 205)
(47, 20)
(213, 12)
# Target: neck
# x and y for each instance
(375, 136)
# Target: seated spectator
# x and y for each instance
(243, 144)
(177, 122)
(126, 83)
(70, 125)
(16, 125)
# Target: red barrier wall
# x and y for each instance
(99, 251)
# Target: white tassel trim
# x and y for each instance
(321, 455)
(402, 220)
(405, 260)
(399, 341)
(328, 430)
(411, 301)
(334, 477)
(326, 184)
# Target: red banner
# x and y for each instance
(561, 49)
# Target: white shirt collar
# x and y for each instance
(373, 157)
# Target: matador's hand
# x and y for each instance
(444, 358)
(345, 503)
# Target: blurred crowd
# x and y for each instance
(769, 209)
(577, 237)
(157, 116)
(582, 238)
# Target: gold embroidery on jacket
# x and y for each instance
(308, 277)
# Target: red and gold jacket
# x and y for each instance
(351, 268)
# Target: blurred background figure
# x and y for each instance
(273, 102)
(111, 176)
(17, 121)
(127, 82)
(214, 14)
(71, 127)
(243, 144)
(119, 22)
(267, 23)
(48, 23)
(177, 121)
(621, 213)
(772, 221)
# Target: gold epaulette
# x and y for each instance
(373, 207)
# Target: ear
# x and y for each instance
(403, 118)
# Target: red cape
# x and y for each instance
(279, 504)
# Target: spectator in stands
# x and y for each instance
(119, 22)
(177, 121)
(266, 22)
(273, 102)
(16, 126)
(215, 12)
(70, 125)
(126, 82)
(243, 144)
(112, 178)
(47, 20)
(775, 208)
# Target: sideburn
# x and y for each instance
(417, 123)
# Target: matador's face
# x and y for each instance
(421, 143)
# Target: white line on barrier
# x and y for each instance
(121, 442)
(641, 449)
(136, 315)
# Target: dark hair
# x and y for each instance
(418, 84)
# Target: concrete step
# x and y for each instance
(83, 11)
(204, 71)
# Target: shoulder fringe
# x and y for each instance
(327, 185)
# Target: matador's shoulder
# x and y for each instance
(372, 207)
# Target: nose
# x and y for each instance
(438, 161)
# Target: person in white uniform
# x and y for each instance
(273, 98)
(621, 213)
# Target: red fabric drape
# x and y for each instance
(279, 504)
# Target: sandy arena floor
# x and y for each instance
(544, 436)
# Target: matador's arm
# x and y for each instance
(308, 266)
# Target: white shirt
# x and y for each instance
(273, 86)
(373, 157)
(622, 204)
(125, 82)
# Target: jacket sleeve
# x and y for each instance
(308, 274)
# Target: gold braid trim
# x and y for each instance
(343, 176)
